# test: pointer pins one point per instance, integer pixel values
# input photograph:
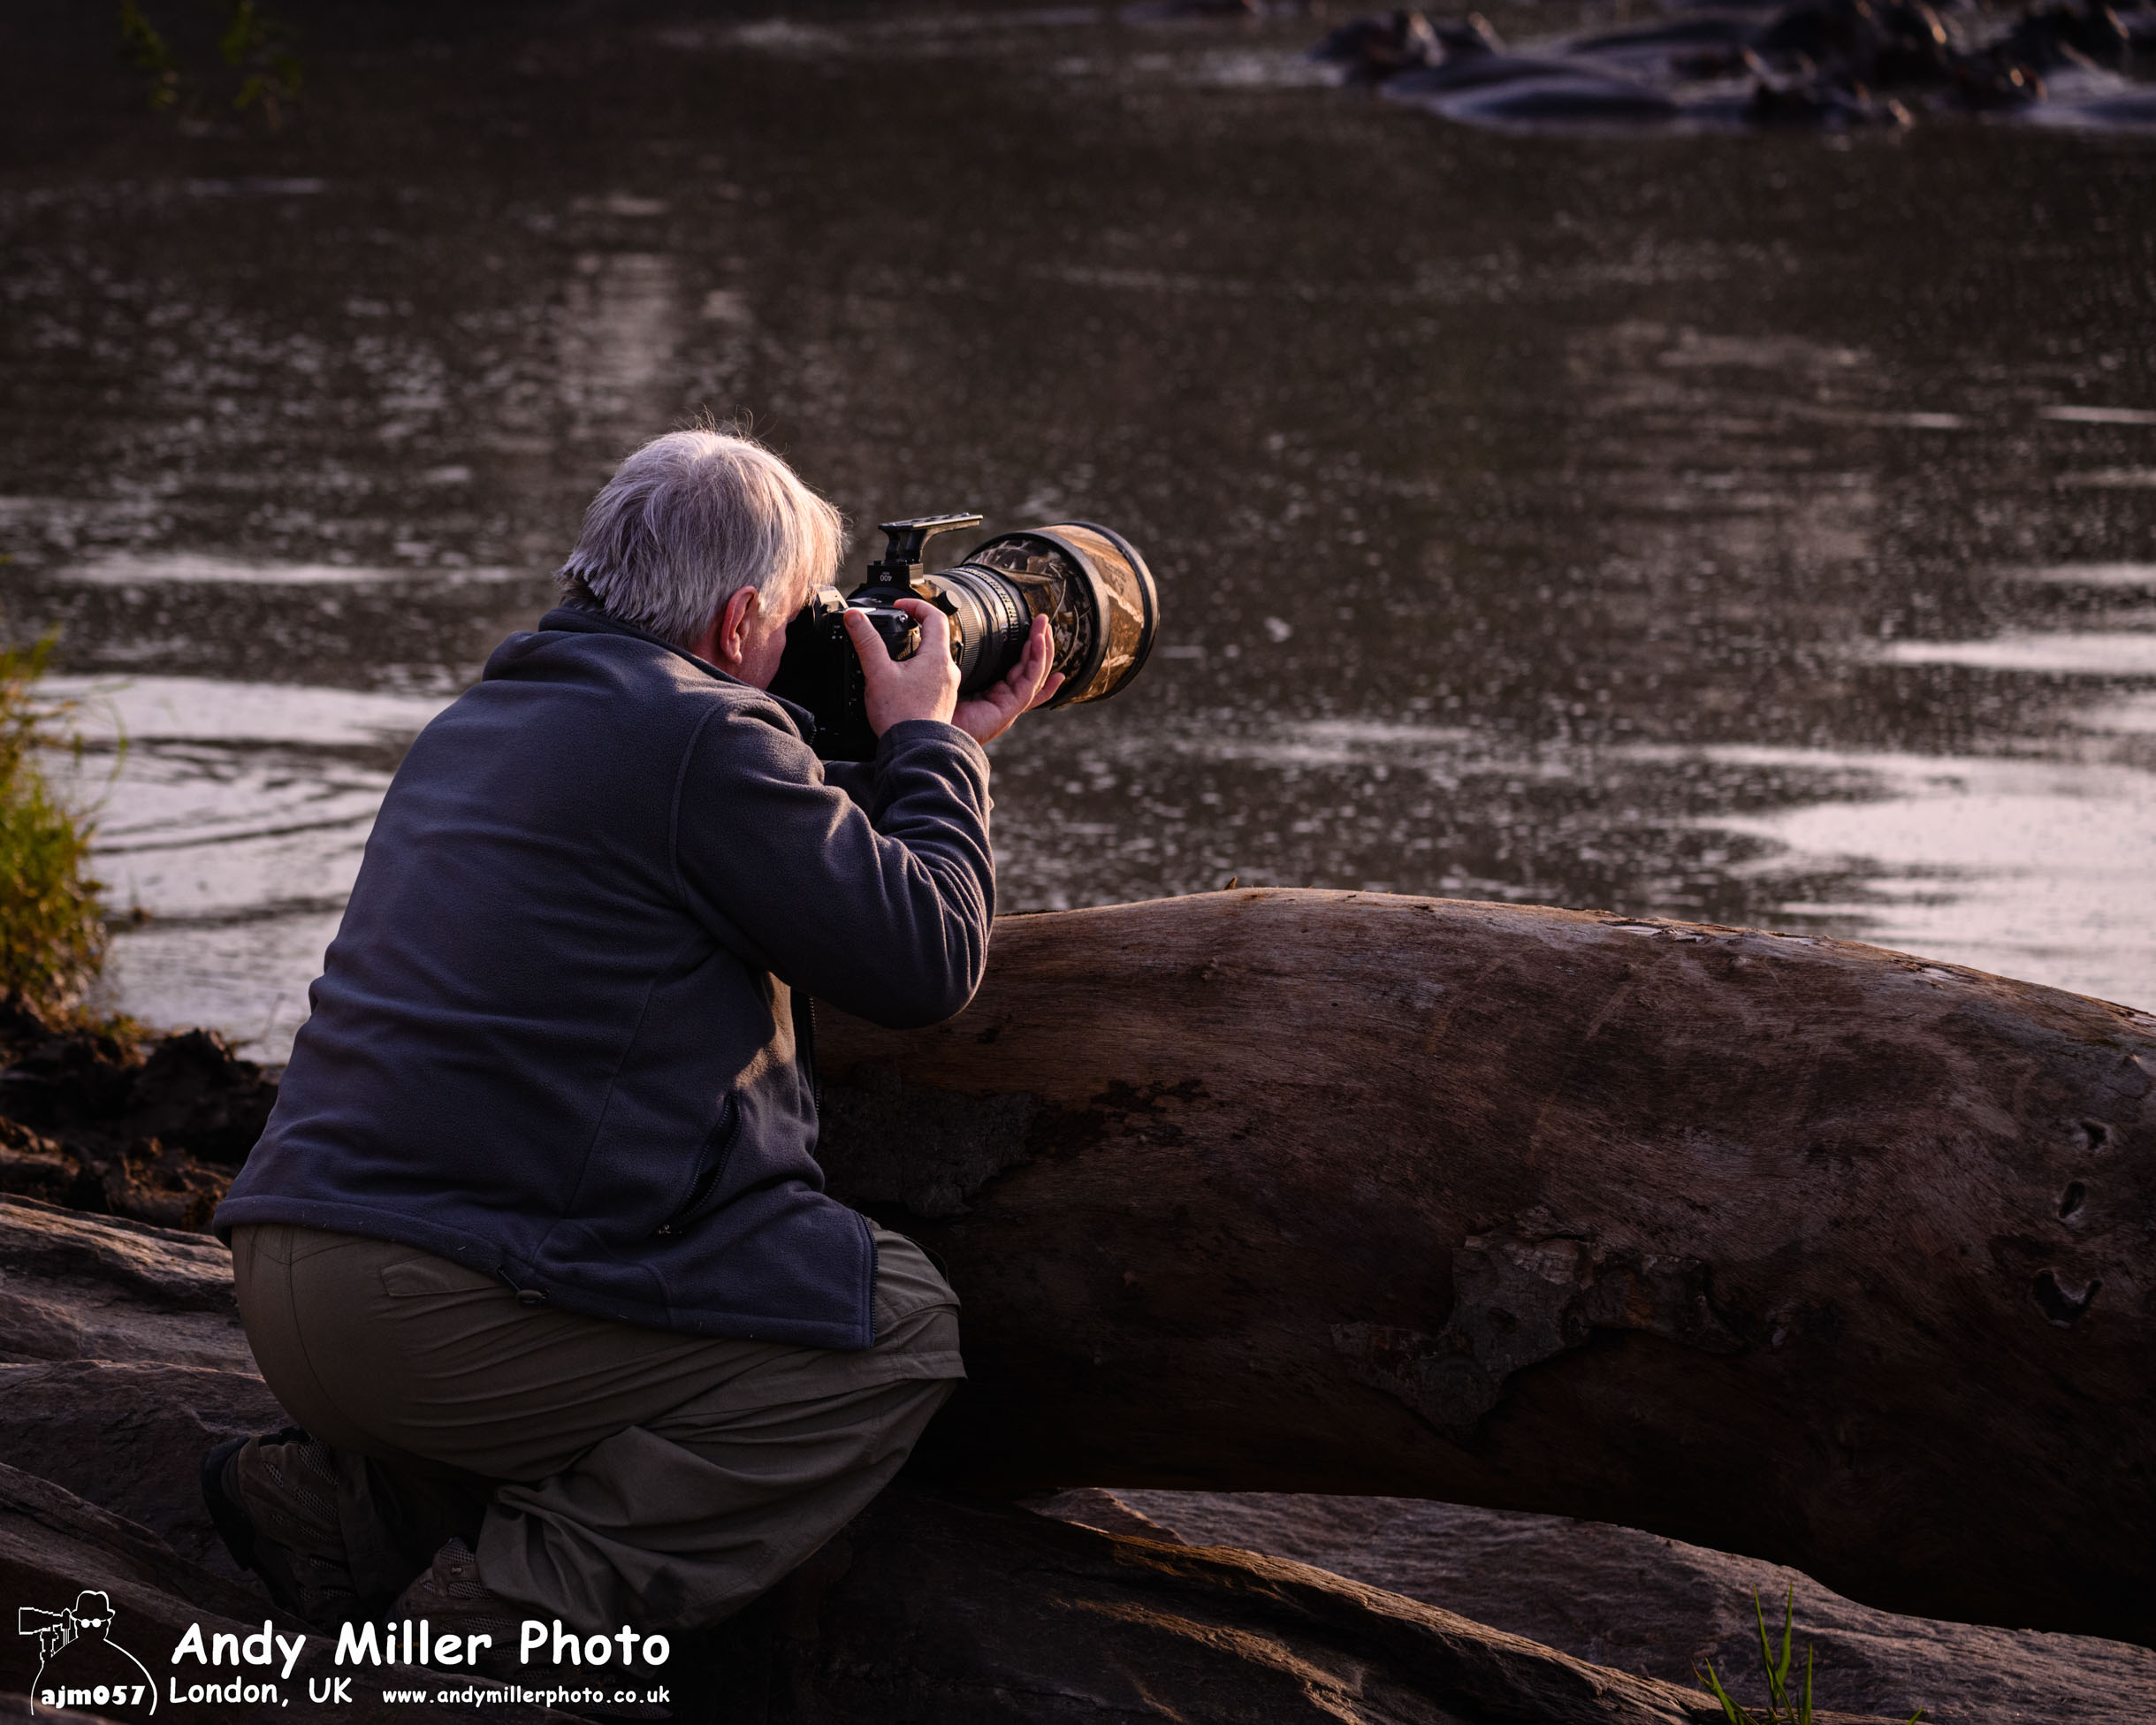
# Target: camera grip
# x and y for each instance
(901, 635)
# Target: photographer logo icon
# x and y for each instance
(80, 1664)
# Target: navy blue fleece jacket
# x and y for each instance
(556, 1037)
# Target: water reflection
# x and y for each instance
(1759, 534)
(2099, 575)
(2022, 868)
(234, 814)
(137, 571)
(619, 320)
(2125, 653)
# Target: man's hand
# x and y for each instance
(988, 715)
(924, 686)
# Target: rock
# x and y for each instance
(936, 1607)
(1616, 1597)
(1775, 1244)
(1088, 1506)
(130, 1436)
(34, 1166)
(148, 1181)
(930, 1608)
(47, 1532)
(54, 1547)
(75, 1287)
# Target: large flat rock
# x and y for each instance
(931, 1607)
(130, 1436)
(101, 1287)
(1642, 1603)
(944, 1609)
(55, 1546)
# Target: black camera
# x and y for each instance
(1090, 582)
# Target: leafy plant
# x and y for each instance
(143, 46)
(52, 918)
(263, 73)
(253, 45)
(1783, 1707)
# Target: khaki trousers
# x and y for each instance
(616, 1474)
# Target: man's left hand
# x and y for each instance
(992, 712)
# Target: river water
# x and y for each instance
(1746, 529)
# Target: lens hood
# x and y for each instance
(1095, 590)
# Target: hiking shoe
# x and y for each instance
(273, 1500)
(450, 1597)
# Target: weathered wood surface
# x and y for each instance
(1784, 1245)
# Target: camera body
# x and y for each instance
(1091, 584)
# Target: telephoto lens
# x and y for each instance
(1088, 581)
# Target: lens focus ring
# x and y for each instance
(1004, 619)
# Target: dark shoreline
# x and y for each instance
(152, 1127)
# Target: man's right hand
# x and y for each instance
(924, 686)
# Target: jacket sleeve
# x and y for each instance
(882, 910)
(856, 778)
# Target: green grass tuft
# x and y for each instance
(1783, 1707)
(52, 912)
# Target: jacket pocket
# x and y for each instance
(711, 1165)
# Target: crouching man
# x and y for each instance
(535, 1245)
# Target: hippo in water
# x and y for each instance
(1572, 101)
(2065, 35)
(1703, 46)
(1544, 89)
(1876, 44)
(1814, 103)
(1994, 79)
(1374, 49)
(1818, 62)
(1692, 35)
(1484, 72)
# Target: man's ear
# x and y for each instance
(734, 616)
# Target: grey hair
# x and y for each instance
(691, 519)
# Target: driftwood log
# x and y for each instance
(1784, 1246)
